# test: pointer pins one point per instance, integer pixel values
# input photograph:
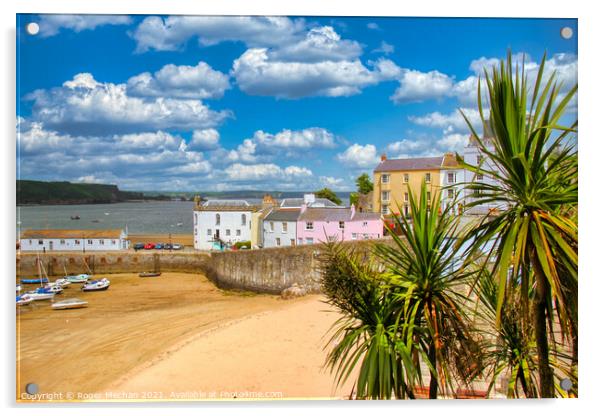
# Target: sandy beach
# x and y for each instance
(175, 337)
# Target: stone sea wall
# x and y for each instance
(269, 270)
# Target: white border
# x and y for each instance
(590, 139)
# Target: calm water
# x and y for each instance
(140, 217)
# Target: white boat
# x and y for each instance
(96, 285)
(54, 288)
(24, 299)
(61, 282)
(80, 278)
(19, 288)
(72, 303)
(41, 294)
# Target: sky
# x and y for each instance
(193, 103)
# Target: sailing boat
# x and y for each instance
(35, 281)
(80, 278)
(41, 293)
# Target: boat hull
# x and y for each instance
(149, 274)
(33, 281)
(69, 304)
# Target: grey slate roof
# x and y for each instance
(325, 214)
(297, 202)
(289, 215)
(417, 163)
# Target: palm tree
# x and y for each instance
(532, 162)
(367, 331)
(431, 290)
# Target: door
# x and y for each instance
(50, 245)
(217, 234)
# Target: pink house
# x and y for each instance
(316, 225)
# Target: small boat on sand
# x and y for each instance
(96, 285)
(56, 289)
(34, 281)
(149, 274)
(80, 278)
(61, 282)
(75, 217)
(72, 303)
(41, 293)
(24, 299)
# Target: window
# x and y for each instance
(228, 232)
(40, 242)
(354, 236)
(30, 242)
(479, 159)
(385, 178)
(406, 197)
(62, 241)
(406, 177)
(195, 231)
(384, 210)
(271, 226)
(195, 218)
(113, 242)
(479, 176)
(243, 219)
(77, 242)
(208, 231)
(277, 241)
(300, 241)
(309, 240)
(342, 225)
(309, 226)
(90, 242)
(385, 195)
(238, 233)
(101, 242)
(476, 192)
(365, 224)
(428, 197)
(427, 177)
(217, 219)
(285, 227)
(450, 193)
(292, 241)
(451, 177)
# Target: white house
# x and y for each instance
(73, 240)
(451, 183)
(280, 227)
(218, 222)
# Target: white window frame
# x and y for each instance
(385, 195)
(386, 178)
(384, 210)
(271, 226)
(451, 177)
(284, 227)
(406, 177)
(427, 177)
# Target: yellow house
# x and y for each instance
(394, 178)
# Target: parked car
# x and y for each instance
(167, 246)
(149, 246)
(177, 247)
(138, 246)
(159, 246)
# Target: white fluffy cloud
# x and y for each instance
(416, 86)
(358, 156)
(51, 24)
(85, 106)
(385, 48)
(257, 74)
(449, 122)
(263, 171)
(171, 33)
(183, 81)
(206, 139)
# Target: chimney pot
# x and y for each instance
(383, 157)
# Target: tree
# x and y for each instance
(364, 184)
(328, 194)
(534, 166)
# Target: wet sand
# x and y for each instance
(127, 327)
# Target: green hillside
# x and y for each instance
(38, 192)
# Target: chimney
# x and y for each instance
(352, 211)
(309, 199)
(383, 157)
(268, 201)
(303, 208)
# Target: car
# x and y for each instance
(167, 246)
(138, 246)
(159, 246)
(149, 246)
(177, 247)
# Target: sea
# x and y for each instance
(150, 217)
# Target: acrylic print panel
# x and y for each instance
(227, 208)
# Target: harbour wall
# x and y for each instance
(268, 270)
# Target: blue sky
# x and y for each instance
(222, 103)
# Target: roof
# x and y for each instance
(283, 215)
(325, 214)
(70, 234)
(297, 202)
(227, 205)
(366, 216)
(417, 163)
(450, 161)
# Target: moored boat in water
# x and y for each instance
(72, 303)
(96, 285)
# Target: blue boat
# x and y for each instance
(34, 281)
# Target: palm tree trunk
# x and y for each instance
(433, 385)
(546, 375)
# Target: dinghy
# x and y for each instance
(72, 303)
(80, 278)
(34, 281)
(24, 299)
(61, 282)
(96, 285)
(149, 274)
(41, 293)
(56, 289)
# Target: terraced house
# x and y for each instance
(394, 179)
